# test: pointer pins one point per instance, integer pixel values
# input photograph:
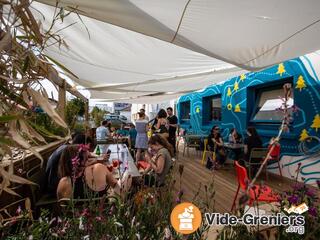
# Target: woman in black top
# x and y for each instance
(252, 141)
(162, 126)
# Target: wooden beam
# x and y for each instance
(75, 92)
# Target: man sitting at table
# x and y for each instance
(103, 131)
(52, 178)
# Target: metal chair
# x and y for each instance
(206, 151)
(191, 142)
(256, 153)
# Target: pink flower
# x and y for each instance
(75, 162)
(84, 147)
(85, 212)
(99, 219)
(19, 210)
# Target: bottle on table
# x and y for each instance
(98, 152)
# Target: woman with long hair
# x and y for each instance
(77, 177)
(162, 126)
(160, 159)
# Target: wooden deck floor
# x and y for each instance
(225, 182)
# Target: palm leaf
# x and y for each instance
(61, 66)
(47, 107)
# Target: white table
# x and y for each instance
(122, 153)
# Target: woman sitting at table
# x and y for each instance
(252, 141)
(215, 144)
(159, 157)
(235, 138)
(81, 180)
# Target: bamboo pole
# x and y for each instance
(62, 101)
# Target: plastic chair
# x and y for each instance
(36, 175)
(256, 192)
(205, 151)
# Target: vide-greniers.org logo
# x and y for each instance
(295, 223)
(186, 218)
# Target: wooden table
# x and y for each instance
(122, 153)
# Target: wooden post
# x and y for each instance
(86, 112)
(62, 100)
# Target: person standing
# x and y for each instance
(173, 124)
(132, 136)
(145, 115)
(142, 137)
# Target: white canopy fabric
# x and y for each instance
(210, 38)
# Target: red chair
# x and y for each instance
(256, 192)
(275, 156)
(143, 164)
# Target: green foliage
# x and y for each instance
(46, 126)
(79, 127)
(98, 115)
(143, 214)
(74, 108)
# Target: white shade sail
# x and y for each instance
(210, 38)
